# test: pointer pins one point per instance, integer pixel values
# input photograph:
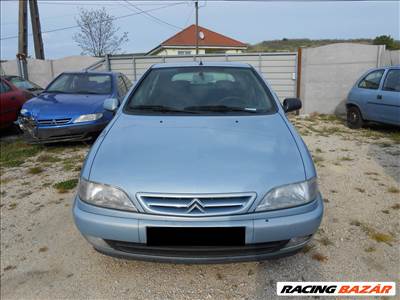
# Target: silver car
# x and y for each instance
(199, 165)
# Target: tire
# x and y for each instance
(354, 118)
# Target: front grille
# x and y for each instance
(197, 251)
(54, 122)
(196, 205)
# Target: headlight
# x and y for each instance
(88, 118)
(24, 112)
(104, 195)
(290, 195)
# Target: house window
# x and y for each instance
(184, 52)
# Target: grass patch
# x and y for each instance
(318, 159)
(325, 241)
(346, 158)
(319, 257)
(65, 186)
(6, 180)
(318, 150)
(370, 249)
(384, 144)
(8, 268)
(12, 206)
(396, 206)
(70, 164)
(307, 248)
(35, 170)
(393, 190)
(43, 249)
(48, 158)
(14, 154)
(25, 194)
(381, 237)
(373, 234)
(371, 173)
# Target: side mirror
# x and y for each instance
(111, 104)
(291, 104)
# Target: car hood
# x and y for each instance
(186, 154)
(53, 106)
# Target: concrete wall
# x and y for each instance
(43, 71)
(329, 72)
(390, 58)
(279, 69)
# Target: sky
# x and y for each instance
(247, 21)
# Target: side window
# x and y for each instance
(372, 80)
(392, 81)
(4, 88)
(121, 87)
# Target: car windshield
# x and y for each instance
(201, 90)
(24, 84)
(81, 83)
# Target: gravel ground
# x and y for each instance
(44, 257)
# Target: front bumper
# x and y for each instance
(50, 134)
(267, 235)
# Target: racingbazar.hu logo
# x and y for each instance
(336, 288)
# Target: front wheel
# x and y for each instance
(354, 118)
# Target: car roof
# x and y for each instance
(201, 64)
(92, 72)
(384, 67)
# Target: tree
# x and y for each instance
(387, 40)
(98, 34)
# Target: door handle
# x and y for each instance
(379, 97)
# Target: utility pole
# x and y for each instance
(37, 33)
(23, 28)
(196, 4)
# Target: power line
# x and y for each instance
(189, 16)
(112, 19)
(153, 17)
(93, 3)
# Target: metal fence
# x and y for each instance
(280, 68)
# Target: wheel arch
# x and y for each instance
(352, 104)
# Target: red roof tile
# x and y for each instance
(186, 37)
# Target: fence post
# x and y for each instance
(108, 65)
(51, 69)
(22, 66)
(19, 67)
(298, 79)
(134, 68)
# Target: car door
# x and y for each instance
(9, 104)
(368, 91)
(389, 97)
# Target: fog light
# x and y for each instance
(297, 241)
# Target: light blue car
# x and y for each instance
(199, 165)
(375, 97)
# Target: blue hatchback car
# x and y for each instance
(200, 164)
(375, 97)
(71, 107)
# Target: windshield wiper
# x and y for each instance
(221, 108)
(88, 92)
(160, 108)
(55, 91)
